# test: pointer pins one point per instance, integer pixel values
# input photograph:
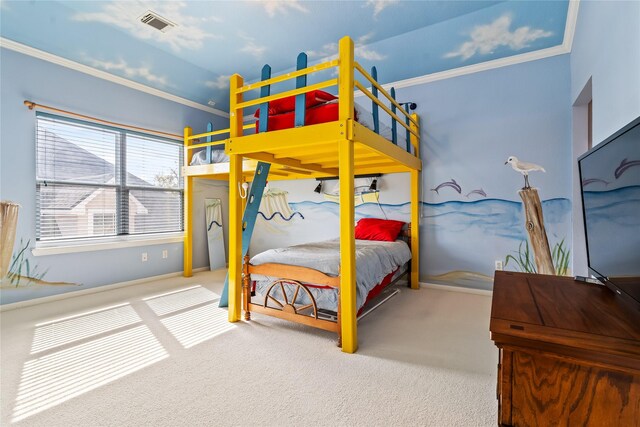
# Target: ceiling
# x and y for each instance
(214, 39)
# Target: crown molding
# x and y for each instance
(55, 59)
(565, 47)
(570, 28)
(476, 68)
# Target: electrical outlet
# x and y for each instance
(165, 254)
(144, 257)
(499, 264)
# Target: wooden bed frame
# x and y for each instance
(342, 148)
(296, 276)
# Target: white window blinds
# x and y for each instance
(97, 181)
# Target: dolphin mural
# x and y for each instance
(624, 165)
(479, 192)
(586, 182)
(453, 184)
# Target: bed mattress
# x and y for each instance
(376, 262)
(328, 112)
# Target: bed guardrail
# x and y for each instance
(209, 144)
(410, 124)
(399, 113)
(346, 70)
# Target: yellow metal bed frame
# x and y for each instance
(342, 148)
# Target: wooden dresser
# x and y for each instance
(569, 353)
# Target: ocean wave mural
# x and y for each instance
(614, 213)
(212, 223)
(280, 215)
(460, 240)
(276, 214)
(603, 201)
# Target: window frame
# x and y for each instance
(123, 236)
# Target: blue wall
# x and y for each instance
(606, 48)
(470, 126)
(27, 78)
(605, 68)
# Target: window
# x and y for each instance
(97, 181)
(104, 224)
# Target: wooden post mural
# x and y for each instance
(534, 223)
(8, 224)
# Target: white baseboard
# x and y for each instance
(452, 288)
(94, 290)
(72, 294)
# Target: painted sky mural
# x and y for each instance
(214, 39)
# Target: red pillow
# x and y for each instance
(285, 105)
(386, 230)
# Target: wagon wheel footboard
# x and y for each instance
(287, 297)
(287, 304)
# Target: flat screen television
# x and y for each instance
(610, 187)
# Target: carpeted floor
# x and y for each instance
(162, 354)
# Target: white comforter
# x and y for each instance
(200, 157)
(374, 261)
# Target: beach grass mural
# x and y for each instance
(561, 258)
(522, 260)
(19, 273)
(22, 272)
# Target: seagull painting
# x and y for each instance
(524, 168)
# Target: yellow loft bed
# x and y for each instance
(342, 148)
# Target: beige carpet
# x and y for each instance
(163, 354)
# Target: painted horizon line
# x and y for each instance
(281, 216)
(626, 188)
(471, 202)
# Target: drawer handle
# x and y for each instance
(518, 327)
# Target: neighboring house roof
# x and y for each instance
(61, 160)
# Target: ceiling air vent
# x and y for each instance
(156, 21)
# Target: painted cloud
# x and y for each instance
(330, 50)
(130, 72)
(380, 5)
(274, 7)
(486, 38)
(251, 46)
(221, 82)
(186, 35)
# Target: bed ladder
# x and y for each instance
(254, 197)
